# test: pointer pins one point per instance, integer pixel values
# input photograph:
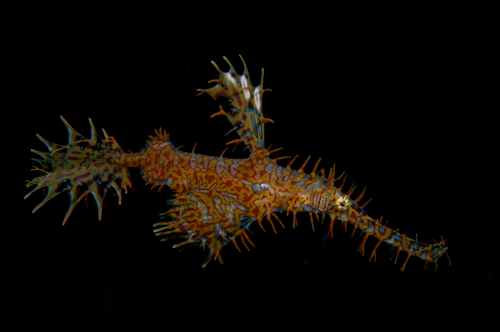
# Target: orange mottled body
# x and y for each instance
(217, 199)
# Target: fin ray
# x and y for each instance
(82, 166)
(241, 102)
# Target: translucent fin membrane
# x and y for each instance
(82, 166)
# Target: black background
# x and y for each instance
(400, 96)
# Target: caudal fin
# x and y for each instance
(82, 166)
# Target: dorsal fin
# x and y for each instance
(241, 103)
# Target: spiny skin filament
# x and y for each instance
(217, 199)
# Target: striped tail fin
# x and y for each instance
(82, 166)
